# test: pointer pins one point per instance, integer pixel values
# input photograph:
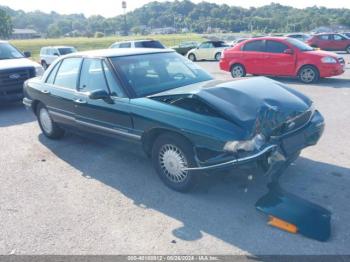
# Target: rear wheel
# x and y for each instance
(171, 154)
(217, 56)
(308, 74)
(192, 57)
(49, 128)
(238, 70)
(44, 64)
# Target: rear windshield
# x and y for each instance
(67, 50)
(149, 44)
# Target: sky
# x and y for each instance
(110, 8)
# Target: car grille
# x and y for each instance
(11, 81)
(341, 60)
(293, 124)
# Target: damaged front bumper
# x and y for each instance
(288, 144)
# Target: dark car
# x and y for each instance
(330, 41)
(184, 47)
(188, 123)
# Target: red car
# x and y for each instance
(280, 56)
(330, 41)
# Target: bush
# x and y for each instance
(99, 35)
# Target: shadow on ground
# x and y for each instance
(14, 114)
(221, 205)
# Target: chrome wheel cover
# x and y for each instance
(45, 120)
(172, 162)
(307, 75)
(237, 71)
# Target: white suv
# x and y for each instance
(49, 54)
(138, 44)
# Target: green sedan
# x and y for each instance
(186, 122)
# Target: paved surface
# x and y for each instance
(83, 196)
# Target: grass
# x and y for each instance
(84, 43)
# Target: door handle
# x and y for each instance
(80, 101)
(45, 91)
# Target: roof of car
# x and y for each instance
(138, 40)
(269, 38)
(120, 52)
(58, 46)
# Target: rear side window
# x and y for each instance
(67, 75)
(125, 45)
(275, 47)
(92, 77)
(324, 37)
(256, 46)
(149, 44)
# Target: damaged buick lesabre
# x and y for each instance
(188, 123)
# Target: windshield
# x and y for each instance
(149, 44)
(67, 50)
(220, 44)
(300, 45)
(8, 51)
(154, 73)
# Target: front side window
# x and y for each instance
(113, 83)
(275, 47)
(154, 73)
(338, 37)
(206, 45)
(67, 75)
(254, 46)
(92, 76)
(52, 75)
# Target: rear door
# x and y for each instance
(276, 61)
(110, 116)
(253, 56)
(325, 42)
(59, 90)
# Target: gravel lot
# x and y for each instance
(96, 196)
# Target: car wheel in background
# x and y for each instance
(170, 155)
(217, 56)
(192, 57)
(238, 70)
(44, 64)
(348, 49)
(308, 74)
(47, 125)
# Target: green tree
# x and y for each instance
(5, 24)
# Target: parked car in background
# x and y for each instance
(49, 54)
(300, 36)
(237, 41)
(209, 50)
(15, 68)
(184, 120)
(184, 47)
(330, 41)
(138, 44)
(281, 56)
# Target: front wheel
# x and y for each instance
(308, 74)
(237, 71)
(192, 57)
(49, 128)
(217, 56)
(171, 154)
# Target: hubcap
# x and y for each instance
(191, 57)
(45, 120)
(172, 161)
(237, 71)
(308, 75)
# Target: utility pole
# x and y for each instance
(124, 8)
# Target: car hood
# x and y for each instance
(321, 53)
(17, 63)
(257, 105)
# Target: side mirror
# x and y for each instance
(98, 94)
(288, 51)
(27, 54)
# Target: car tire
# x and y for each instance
(238, 70)
(44, 64)
(49, 128)
(217, 56)
(308, 74)
(170, 153)
(192, 57)
(348, 49)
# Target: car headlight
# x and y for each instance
(329, 60)
(248, 145)
(39, 71)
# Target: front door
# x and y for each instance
(204, 50)
(110, 116)
(339, 42)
